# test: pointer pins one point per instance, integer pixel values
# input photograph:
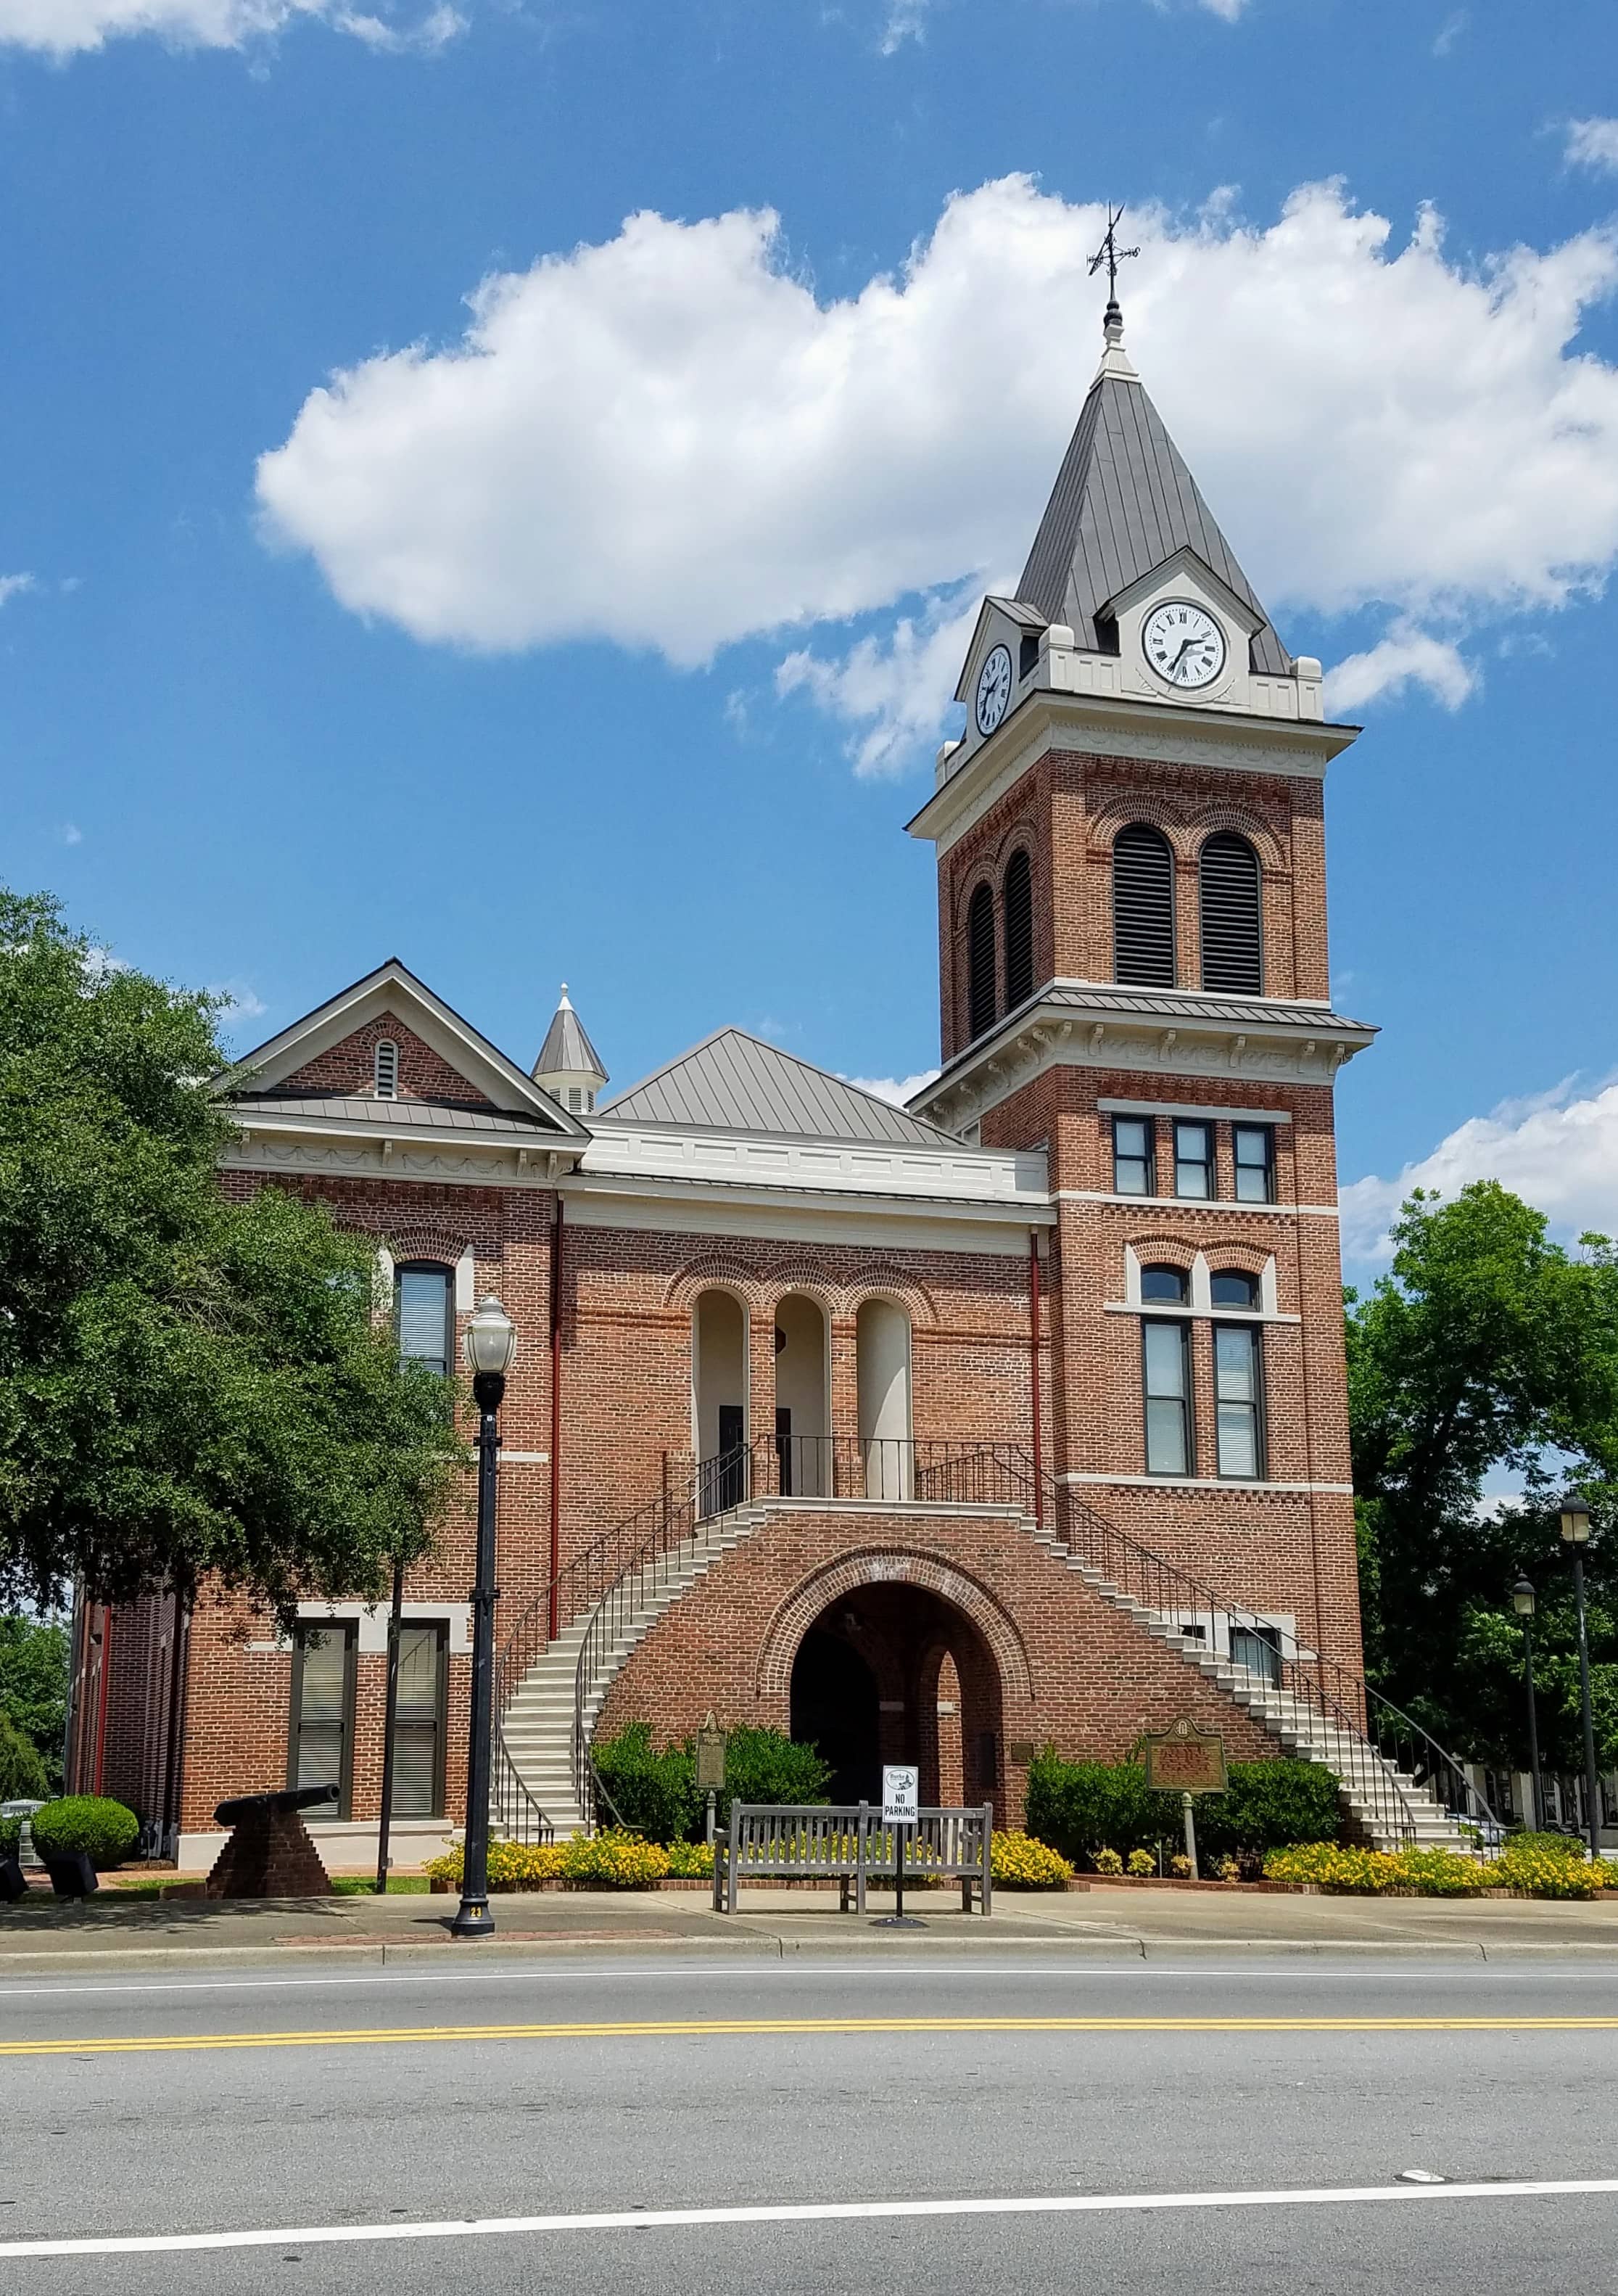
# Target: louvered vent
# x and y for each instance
(980, 961)
(1232, 916)
(387, 1069)
(1143, 908)
(1019, 930)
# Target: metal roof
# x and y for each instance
(1123, 502)
(418, 1115)
(736, 1083)
(1172, 1004)
(566, 1050)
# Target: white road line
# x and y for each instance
(809, 2212)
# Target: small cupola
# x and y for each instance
(569, 1067)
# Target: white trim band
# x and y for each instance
(1209, 1483)
(1190, 1109)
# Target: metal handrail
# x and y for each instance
(517, 1814)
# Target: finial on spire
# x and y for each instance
(564, 1006)
(1112, 255)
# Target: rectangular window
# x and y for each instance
(1193, 1159)
(1134, 1156)
(1166, 1349)
(1254, 1150)
(418, 1734)
(320, 1748)
(1258, 1648)
(424, 1316)
(1238, 1395)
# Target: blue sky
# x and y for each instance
(604, 628)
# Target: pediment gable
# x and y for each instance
(442, 1059)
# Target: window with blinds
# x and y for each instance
(1020, 930)
(425, 1316)
(980, 962)
(1143, 908)
(320, 1740)
(418, 1736)
(1232, 916)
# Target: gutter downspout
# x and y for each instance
(179, 1705)
(1034, 1365)
(104, 1687)
(554, 1620)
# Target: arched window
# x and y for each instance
(1020, 930)
(1143, 908)
(980, 962)
(1232, 916)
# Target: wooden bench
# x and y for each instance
(851, 1845)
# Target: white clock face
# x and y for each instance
(993, 689)
(1184, 643)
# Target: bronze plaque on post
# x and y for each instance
(1185, 1759)
(710, 1756)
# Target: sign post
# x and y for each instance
(901, 1802)
(710, 1766)
(1189, 1760)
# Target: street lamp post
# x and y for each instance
(490, 1344)
(1575, 1532)
(1521, 1597)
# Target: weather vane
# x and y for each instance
(1112, 255)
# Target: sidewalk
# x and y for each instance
(1099, 1923)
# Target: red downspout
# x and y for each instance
(1033, 1360)
(101, 1710)
(554, 1625)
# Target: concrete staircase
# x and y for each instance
(538, 1726)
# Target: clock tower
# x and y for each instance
(1133, 978)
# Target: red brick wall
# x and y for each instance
(350, 1067)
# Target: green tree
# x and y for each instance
(1487, 1348)
(34, 1659)
(188, 1383)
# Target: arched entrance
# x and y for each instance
(894, 1672)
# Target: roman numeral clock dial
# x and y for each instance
(1184, 644)
(993, 689)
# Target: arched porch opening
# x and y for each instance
(893, 1672)
(803, 1417)
(882, 1349)
(719, 1399)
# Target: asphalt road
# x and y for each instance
(311, 2106)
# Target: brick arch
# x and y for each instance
(1024, 831)
(1163, 1251)
(880, 1279)
(1246, 1257)
(888, 1566)
(714, 1271)
(1155, 812)
(424, 1239)
(1210, 820)
(799, 1274)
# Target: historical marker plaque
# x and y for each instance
(1185, 1759)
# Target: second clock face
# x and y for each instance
(1183, 644)
(993, 689)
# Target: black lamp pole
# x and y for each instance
(1523, 1596)
(1576, 1530)
(490, 1342)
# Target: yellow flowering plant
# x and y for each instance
(1019, 1862)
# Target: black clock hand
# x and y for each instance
(1185, 645)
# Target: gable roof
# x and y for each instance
(393, 988)
(733, 1082)
(1123, 502)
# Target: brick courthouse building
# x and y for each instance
(1011, 1418)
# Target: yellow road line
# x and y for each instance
(700, 2028)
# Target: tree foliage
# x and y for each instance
(33, 1662)
(188, 1384)
(1487, 1351)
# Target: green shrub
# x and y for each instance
(653, 1790)
(106, 1831)
(23, 1771)
(1079, 1807)
(766, 1766)
(10, 1836)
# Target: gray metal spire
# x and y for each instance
(567, 1057)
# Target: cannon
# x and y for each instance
(274, 1805)
(269, 1853)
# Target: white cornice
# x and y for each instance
(1296, 748)
(1258, 1048)
(893, 1170)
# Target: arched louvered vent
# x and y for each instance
(1232, 916)
(385, 1069)
(1143, 908)
(980, 961)
(1020, 930)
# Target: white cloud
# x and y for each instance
(895, 1089)
(1406, 657)
(904, 20)
(65, 27)
(668, 442)
(1559, 1152)
(890, 688)
(71, 833)
(12, 586)
(1448, 32)
(1592, 143)
(238, 1001)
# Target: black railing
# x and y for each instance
(1391, 1766)
(517, 1816)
